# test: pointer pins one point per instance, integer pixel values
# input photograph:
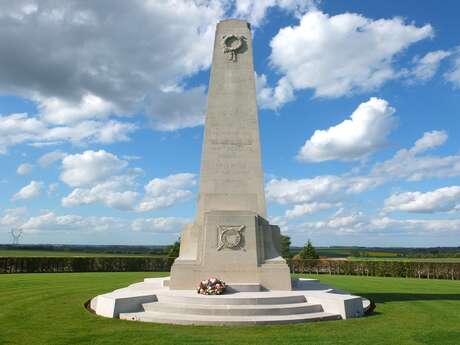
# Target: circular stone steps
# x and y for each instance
(186, 307)
(154, 301)
(233, 310)
(243, 298)
(188, 319)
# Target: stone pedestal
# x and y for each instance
(236, 246)
(244, 304)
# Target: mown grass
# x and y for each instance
(47, 309)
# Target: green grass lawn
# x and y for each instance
(53, 253)
(47, 309)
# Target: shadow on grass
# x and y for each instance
(400, 297)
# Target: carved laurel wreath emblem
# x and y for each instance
(231, 45)
(230, 236)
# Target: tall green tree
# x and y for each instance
(285, 244)
(173, 251)
(308, 252)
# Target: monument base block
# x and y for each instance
(270, 277)
(241, 304)
(235, 246)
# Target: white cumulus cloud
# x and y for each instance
(32, 190)
(61, 112)
(440, 200)
(21, 128)
(24, 169)
(101, 177)
(254, 11)
(90, 167)
(89, 62)
(412, 164)
(453, 74)
(285, 191)
(426, 66)
(113, 193)
(174, 110)
(273, 98)
(13, 217)
(18, 128)
(356, 138)
(159, 224)
(164, 192)
(50, 221)
(50, 157)
(341, 54)
(359, 223)
(307, 208)
(428, 141)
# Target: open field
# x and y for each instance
(47, 309)
(359, 258)
(55, 253)
(345, 252)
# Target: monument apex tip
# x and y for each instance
(235, 21)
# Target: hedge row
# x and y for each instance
(430, 270)
(407, 269)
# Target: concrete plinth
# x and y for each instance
(249, 256)
(242, 304)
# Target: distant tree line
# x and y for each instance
(97, 249)
(433, 252)
(287, 251)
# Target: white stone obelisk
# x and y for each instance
(230, 238)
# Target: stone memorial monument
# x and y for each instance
(230, 237)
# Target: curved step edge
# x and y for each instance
(229, 310)
(181, 319)
(215, 300)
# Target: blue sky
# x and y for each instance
(102, 106)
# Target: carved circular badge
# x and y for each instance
(231, 238)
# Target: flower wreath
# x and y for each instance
(211, 286)
(227, 39)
